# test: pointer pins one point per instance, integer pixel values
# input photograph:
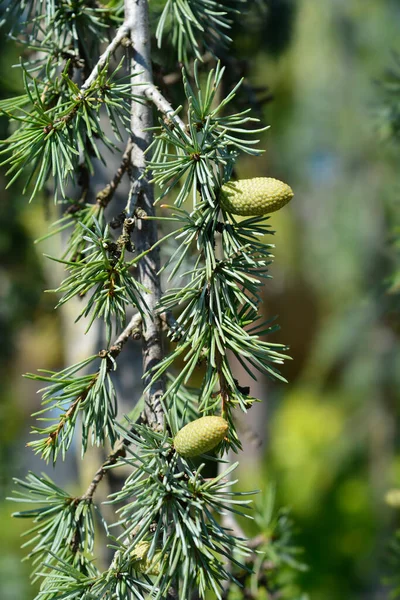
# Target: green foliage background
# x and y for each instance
(332, 432)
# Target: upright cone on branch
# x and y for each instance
(199, 436)
(141, 562)
(257, 196)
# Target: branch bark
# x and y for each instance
(122, 33)
(136, 19)
(105, 196)
(153, 94)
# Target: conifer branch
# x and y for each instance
(132, 330)
(180, 538)
(77, 394)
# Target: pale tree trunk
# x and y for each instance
(142, 199)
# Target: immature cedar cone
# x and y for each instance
(257, 196)
(142, 563)
(200, 436)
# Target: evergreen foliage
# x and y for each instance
(196, 25)
(196, 546)
(90, 397)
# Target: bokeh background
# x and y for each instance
(331, 435)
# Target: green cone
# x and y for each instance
(200, 436)
(257, 196)
(142, 563)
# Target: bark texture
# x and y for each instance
(142, 197)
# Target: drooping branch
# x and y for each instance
(136, 18)
(132, 330)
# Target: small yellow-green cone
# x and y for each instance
(140, 551)
(257, 196)
(142, 563)
(200, 436)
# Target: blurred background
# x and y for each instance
(331, 435)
